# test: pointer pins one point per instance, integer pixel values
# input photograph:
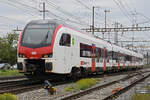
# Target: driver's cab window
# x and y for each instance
(65, 40)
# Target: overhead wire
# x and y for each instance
(122, 10)
(58, 8)
(87, 7)
(19, 8)
(24, 5)
(90, 9)
(133, 10)
(37, 10)
(8, 18)
(148, 19)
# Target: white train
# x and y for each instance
(53, 47)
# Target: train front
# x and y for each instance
(35, 49)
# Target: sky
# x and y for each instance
(78, 13)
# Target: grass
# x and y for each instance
(8, 96)
(142, 96)
(146, 65)
(82, 84)
(5, 73)
(139, 96)
(148, 87)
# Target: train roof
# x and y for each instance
(48, 21)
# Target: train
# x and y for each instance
(51, 46)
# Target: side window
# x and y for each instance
(65, 40)
(115, 56)
(85, 50)
(98, 54)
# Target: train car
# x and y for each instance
(50, 46)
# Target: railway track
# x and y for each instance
(17, 86)
(12, 77)
(106, 85)
(25, 85)
(117, 93)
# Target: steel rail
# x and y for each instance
(88, 91)
(12, 77)
(116, 94)
(30, 87)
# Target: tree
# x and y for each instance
(8, 48)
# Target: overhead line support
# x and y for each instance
(44, 11)
(124, 29)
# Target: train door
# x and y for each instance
(118, 60)
(104, 58)
(93, 58)
(65, 43)
(131, 61)
(124, 60)
(71, 54)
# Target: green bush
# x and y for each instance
(139, 96)
(8, 96)
(5, 72)
(69, 88)
(148, 87)
(82, 84)
(85, 83)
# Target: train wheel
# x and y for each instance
(84, 73)
(75, 73)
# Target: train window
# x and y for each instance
(98, 54)
(65, 40)
(85, 50)
(121, 58)
(115, 56)
(37, 35)
(109, 55)
(106, 53)
(128, 58)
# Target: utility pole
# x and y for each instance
(93, 27)
(147, 58)
(17, 29)
(105, 17)
(93, 20)
(116, 33)
(132, 41)
(43, 10)
(105, 20)
(133, 25)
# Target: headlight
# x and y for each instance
(47, 56)
(21, 55)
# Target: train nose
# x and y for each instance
(34, 55)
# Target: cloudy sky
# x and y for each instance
(78, 13)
